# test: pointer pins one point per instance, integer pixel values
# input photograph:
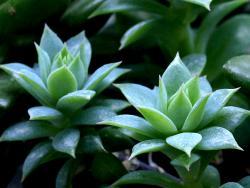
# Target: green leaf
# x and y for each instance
(195, 63)
(79, 44)
(192, 88)
(134, 135)
(231, 185)
(66, 141)
(175, 75)
(43, 63)
(184, 141)
(216, 101)
(217, 138)
(99, 75)
(204, 3)
(114, 6)
(28, 130)
(230, 117)
(138, 95)
(210, 22)
(40, 154)
(92, 115)
(13, 68)
(50, 42)
(61, 82)
(210, 178)
(179, 108)
(136, 32)
(237, 70)
(114, 104)
(44, 113)
(133, 123)
(66, 174)
(79, 71)
(145, 177)
(158, 120)
(185, 161)
(73, 101)
(163, 97)
(113, 75)
(147, 146)
(196, 115)
(205, 86)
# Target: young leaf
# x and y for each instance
(28, 130)
(195, 63)
(179, 108)
(196, 114)
(204, 3)
(158, 120)
(175, 75)
(66, 141)
(192, 88)
(210, 177)
(99, 75)
(216, 101)
(138, 95)
(79, 71)
(147, 146)
(44, 113)
(184, 141)
(43, 63)
(230, 117)
(66, 174)
(114, 6)
(217, 138)
(41, 154)
(50, 42)
(73, 101)
(133, 123)
(114, 104)
(147, 177)
(163, 97)
(61, 82)
(185, 161)
(92, 115)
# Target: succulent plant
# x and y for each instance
(60, 82)
(182, 117)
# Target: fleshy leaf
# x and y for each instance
(231, 185)
(116, 105)
(196, 114)
(50, 42)
(28, 130)
(133, 123)
(99, 75)
(43, 63)
(61, 82)
(12, 68)
(230, 117)
(158, 120)
(179, 108)
(148, 146)
(163, 97)
(92, 115)
(138, 95)
(66, 141)
(210, 177)
(245, 182)
(216, 101)
(175, 75)
(204, 3)
(41, 154)
(217, 138)
(185, 161)
(184, 141)
(73, 101)
(192, 88)
(205, 86)
(195, 63)
(66, 174)
(44, 113)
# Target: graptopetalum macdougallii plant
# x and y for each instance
(62, 85)
(184, 119)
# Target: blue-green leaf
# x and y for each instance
(245, 182)
(205, 87)
(192, 88)
(116, 105)
(204, 3)
(184, 141)
(28, 130)
(210, 177)
(12, 68)
(217, 138)
(50, 42)
(66, 141)
(195, 63)
(163, 97)
(44, 113)
(231, 185)
(175, 75)
(185, 161)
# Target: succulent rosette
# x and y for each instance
(60, 82)
(181, 117)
